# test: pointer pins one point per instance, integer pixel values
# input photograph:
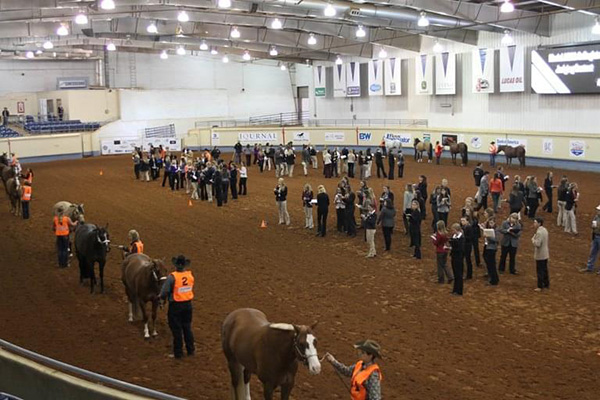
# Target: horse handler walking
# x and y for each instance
(366, 375)
(179, 289)
(61, 227)
(25, 199)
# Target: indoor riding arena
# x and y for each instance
(134, 111)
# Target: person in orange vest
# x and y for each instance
(61, 227)
(135, 244)
(493, 151)
(25, 199)
(179, 290)
(438, 152)
(365, 373)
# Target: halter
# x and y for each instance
(299, 355)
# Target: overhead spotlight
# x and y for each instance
(203, 46)
(214, 51)
(360, 32)
(246, 56)
(437, 47)
(62, 30)
(383, 53)
(224, 3)
(181, 51)
(329, 11)
(596, 28)
(423, 21)
(338, 61)
(48, 45)
(54, 54)
(111, 47)
(507, 39)
(312, 40)
(152, 28)
(183, 16)
(283, 67)
(38, 52)
(107, 5)
(235, 33)
(273, 52)
(225, 59)
(164, 55)
(276, 24)
(29, 54)
(507, 7)
(81, 19)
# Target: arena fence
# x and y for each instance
(29, 375)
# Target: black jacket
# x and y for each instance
(322, 202)
(477, 175)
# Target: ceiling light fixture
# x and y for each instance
(152, 28)
(111, 47)
(48, 45)
(507, 39)
(29, 54)
(246, 56)
(276, 24)
(312, 40)
(235, 33)
(164, 55)
(54, 54)
(423, 21)
(81, 19)
(273, 52)
(596, 28)
(62, 30)
(360, 32)
(107, 5)
(283, 67)
(214, 51)
(437, 47)
(203, 46)
(225, 59)
(338, 60)
(38, 52)
(224, 3)
(183, 16)
(507, 7)
(383, 53)
(181, 51)
(329, 11)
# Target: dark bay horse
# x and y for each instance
(252, 345)
(14, 191)
(143, 278)
(512, 152)
(420, 147)
(459, 148)
(91, 244)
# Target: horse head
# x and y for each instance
(501, 148)
(305, 346)
(416, 142)
(78, 213)
(103, 237)
(159, 272)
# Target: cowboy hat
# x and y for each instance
(180, 261)
(369, 346)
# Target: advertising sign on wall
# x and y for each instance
(215, 139)
(514, 142)
(512, 69)
(320, 81)
(483, 71)
(375, 77)
(335, 136)
(392, 77)
(126, 146)
(353, 79)
(257, 137)
(424, 74)
(476, 142)
(20, 107)
(301, 137)
(548, 146)
(364, 136)
(405, 139)
(445, 73)
(577, 148)
(339, 80)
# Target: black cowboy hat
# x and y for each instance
(180, 261)
(369, 346)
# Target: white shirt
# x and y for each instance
(326, 158)
(243, 172)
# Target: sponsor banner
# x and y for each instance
(301, 137)
(514, 142)
(445, 73)
(320, 81)
(258, 137)
(577, 148)
(392, 77)
(476, 142)
(215, 139)
(424, 74)
(335, 136)
(127, 146)
(375, 77)
(548, 146)
(364, 136)
(398, 139)
(483, 71)
(512, 69)
(339, 80)
(353, 79)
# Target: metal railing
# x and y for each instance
(363, 123)
(281, 119)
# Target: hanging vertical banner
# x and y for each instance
(375, 77)
(483, 71)
(445, 73)
(392, 77)
(339, 80)
(320, 82)
(353, 79)
(424, 74)
(512, 69)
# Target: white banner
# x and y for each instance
(335, 136)
(577, 148)
(215, 139)
(320, 81)
(483, 70)
(339, 80)
(126, 146)
(476, 142)
(424, 74)
(514, 142)
(512, 69)
(445, 73)
(375, 77)
(353, 79)
(548, 146)
(398, 139)
(300, 137)
(392, 77)
(258, 137)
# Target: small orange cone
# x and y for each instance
(190, 202)
(101, 172)
(263, 224)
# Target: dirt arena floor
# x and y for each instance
(507, 342)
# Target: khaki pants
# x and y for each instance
(290, 169)
(308, 217)
(570, 221)
(561, 212)
(146, 176)
(304, 166)
(313, 159)
(371, 242)
(209, 192)
(284, 216)
(194, 190)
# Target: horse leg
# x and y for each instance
(154, 308)
(237, 388)
(101, 272)
(142, 306)
(130, 319)
(268, 389)
(92, 275)
(286, 390)
(247, 384)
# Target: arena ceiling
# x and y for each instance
(25, 25)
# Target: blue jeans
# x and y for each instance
(594, 253)
(496, 200)
(492, 160)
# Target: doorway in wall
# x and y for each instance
(303, 102)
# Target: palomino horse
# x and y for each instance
(143, 278)
(91, 244)
(420, 147)
(14, 191)
(512, 152)
(71, 210)
(459, 148)
(252, 345)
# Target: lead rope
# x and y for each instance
(338, 374)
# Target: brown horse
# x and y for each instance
(420, 147)
(252, 345)
(459, 148)
(14, 191)
(512, 152)
(143, 279)
(6, 173)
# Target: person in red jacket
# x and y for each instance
(440, 241)
(496, 188)
(438, 152)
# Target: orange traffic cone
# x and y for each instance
(101, 172)
(263, 224)
(190, 202)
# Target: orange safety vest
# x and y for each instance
(183, 287)
(61, 228)
(26, 193)
(359, 376)
(139, 247)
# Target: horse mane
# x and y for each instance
(282, 326)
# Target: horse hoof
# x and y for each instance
(154, 334)
(146, 337)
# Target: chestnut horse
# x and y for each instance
(143, 279)
(512, 152)
(252, 345)
(459, 148)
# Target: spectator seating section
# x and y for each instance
(6, 132)
(53, 125)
